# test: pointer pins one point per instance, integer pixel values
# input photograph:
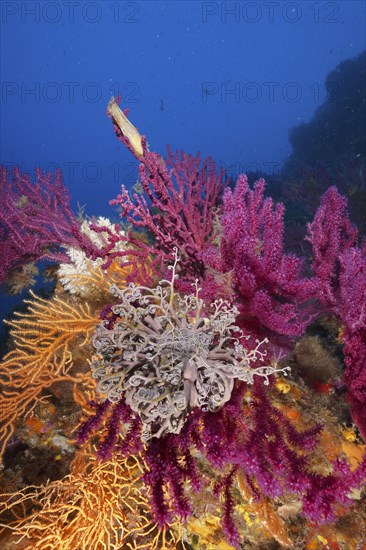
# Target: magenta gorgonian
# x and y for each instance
(166, 354)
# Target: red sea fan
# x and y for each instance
(340, 267)
(352, 312)
(330, 234)
(176, 208)
(271, 292)
(35, 220)
(177, 204)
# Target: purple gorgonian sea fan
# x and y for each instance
(175, 204)
(273, 296)
(340, 268)
(167, 353)
(36, 220)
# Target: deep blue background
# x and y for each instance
(175, 64)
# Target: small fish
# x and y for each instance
(137, 188)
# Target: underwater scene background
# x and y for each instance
(183, 352)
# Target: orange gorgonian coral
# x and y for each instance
(99, 505)
(41, 355)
